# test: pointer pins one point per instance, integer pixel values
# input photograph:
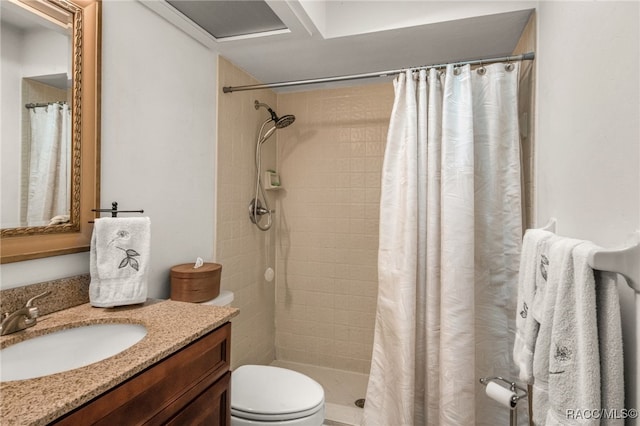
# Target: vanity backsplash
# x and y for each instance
(65, 293)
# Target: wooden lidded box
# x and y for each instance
(195, 285)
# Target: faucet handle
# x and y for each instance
(32, 314)
(30, 301)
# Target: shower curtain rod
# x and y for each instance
(29, 106)
(524, 57)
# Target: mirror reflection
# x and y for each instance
(36, 116)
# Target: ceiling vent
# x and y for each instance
(225, 19)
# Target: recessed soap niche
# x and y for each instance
(272, 181)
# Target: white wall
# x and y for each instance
(10, 134)
(158, 143)
(158, 133)
(46, 52)
(588, 135)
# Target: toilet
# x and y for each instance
(274, 396)
(224, 299)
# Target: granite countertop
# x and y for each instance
(171, 325)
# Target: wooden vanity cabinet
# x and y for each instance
(190, 387)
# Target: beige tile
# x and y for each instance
(239, 243)
(327, 291)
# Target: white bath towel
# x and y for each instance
(574, 358)
(119, 261)
(532, 273)
(559, 268)
(610, 345)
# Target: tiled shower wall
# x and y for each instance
(330, 162)
(241, 248)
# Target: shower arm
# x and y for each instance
(257, 105)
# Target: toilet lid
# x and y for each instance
(259, 391)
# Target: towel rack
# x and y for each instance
(624, 261)
(114, 210)
(551, 225)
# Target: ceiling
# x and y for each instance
(23, 19)
(225, 19)
(328, 37)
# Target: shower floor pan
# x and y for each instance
(342, 389)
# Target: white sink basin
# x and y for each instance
(66, 350)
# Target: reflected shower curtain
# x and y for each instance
(49, 167)
(450, 233)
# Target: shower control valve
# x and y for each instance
(256, 211)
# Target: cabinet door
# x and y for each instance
(210, 408)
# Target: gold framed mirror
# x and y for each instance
(67, 230)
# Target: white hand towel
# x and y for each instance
(574, 358)
(610, 344)
(542, 278)
(529, 278)
(119, 261)
(559, 265)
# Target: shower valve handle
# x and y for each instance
(260, 211)
(256, 211)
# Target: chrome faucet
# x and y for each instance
(22, 318)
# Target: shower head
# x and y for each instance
(285, 121)
(281, 122)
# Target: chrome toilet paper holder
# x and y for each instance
(513, 386)
(515, 397)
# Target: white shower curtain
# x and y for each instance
(450, 233)
(49, 169)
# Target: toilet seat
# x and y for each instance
(266, 393)
(276, 417)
